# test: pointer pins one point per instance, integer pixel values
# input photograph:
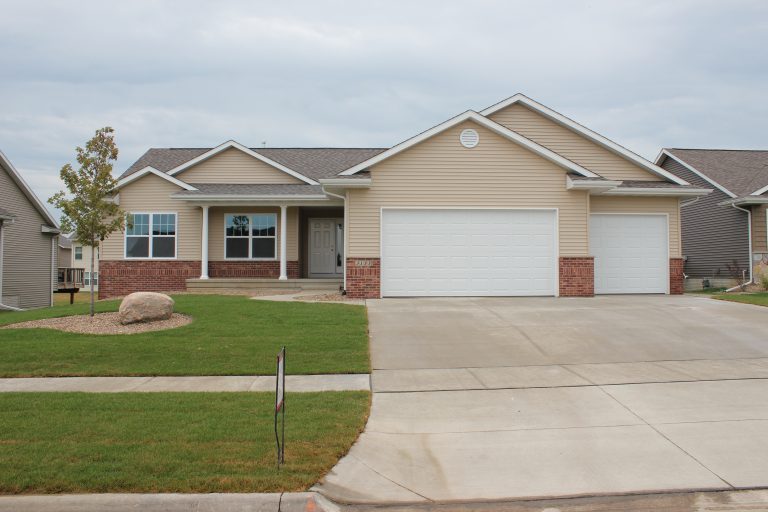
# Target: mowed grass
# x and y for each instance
(759, 299)
(229, 335)
(62, 299)
(171, 442)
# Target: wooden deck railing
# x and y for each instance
(70, 278)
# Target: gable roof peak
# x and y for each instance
(585, 132)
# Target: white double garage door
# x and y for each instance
(514, 252)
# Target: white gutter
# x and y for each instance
(637, 191)
(344, 261)
(749, 237)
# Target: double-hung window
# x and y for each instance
(150, 235)
(251, 236)
(79, 252)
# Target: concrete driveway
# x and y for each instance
(479, 399)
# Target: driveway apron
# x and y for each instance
(512, 398)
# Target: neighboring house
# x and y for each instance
(513, 200)
(28, 244)
(726, 229)
(64, 254)
(81, 258)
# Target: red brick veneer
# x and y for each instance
(364, 278)
(577, 276)
(251, 269)
(117, 278)
(676, 277)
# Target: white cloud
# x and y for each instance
(195, 73)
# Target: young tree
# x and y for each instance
(86, 206)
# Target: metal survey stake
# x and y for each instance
(280, 406)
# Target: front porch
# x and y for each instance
(220, 285)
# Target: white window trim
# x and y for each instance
(149, 253)
(250, 236)
(74, 253)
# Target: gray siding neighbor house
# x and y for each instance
(726, 228)
(28, 244)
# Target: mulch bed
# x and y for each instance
(101, 323)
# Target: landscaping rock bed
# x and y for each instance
(102, 323)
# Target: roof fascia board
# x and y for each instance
(27, 190)
(255, 197)
(232, 144)
(346, 183)
(570, 183)
(151, 170)
(630, 191)
(586, 132)
(760, 191)
(746, 201)
(666, 154)
(471, 115)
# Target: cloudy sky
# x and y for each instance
(367, 74)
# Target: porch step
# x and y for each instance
(223, 284)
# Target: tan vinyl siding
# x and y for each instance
(27, 251)
(624, 204)
(759, 229)
(152, 194)
(216, 229)
(440, 172)
(234, 166)
(570, 144)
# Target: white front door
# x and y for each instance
(322, 246)
(466, 252)
(631, 253)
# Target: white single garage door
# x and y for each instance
(631, 253)
(466, 252)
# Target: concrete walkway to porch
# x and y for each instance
(293, 383)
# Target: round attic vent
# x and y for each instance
(469, 138)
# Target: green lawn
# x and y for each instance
(759, 299)
(171, 442)
(230, 335)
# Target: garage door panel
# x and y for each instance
(468, 252)
(631, 253)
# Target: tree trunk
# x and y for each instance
(90, 282)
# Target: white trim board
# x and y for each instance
(584, 131)
(471, 115)
(666, 154)
(151, 170)
(232, 144)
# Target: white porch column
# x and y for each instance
(204, 246)
(283, 244)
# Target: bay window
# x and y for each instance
(150, 235)
(250, 236)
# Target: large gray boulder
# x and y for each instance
(145, 307)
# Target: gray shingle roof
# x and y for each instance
(740, 171)
(251, 190)
(315, 163)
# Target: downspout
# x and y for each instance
(749, 238)
(344, 266)
(54, 276)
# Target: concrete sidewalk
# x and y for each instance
(214, 502)
(293, 383)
